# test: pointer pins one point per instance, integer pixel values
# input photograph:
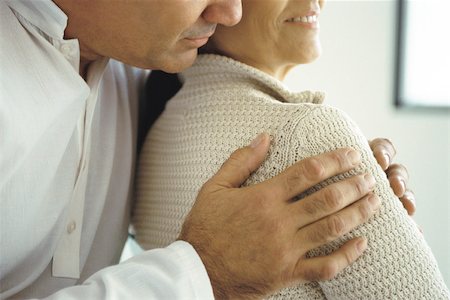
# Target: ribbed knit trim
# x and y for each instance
(213, 67)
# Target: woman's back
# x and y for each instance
(222, 105)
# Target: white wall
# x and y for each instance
(356, 70)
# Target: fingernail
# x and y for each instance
(361, 245)
(370, 180)
(354, 157)
(257, 140)
(387, 159)
(402, 183)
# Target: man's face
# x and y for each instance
(153, 34)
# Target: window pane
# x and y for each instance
(425, 53)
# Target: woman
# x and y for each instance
(235, 92)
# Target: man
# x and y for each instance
(68, 131)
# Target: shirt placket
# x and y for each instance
(66, 258)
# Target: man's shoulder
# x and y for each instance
(124, 78)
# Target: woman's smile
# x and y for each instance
(309, 21)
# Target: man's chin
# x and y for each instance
(181, 62)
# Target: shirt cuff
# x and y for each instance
(193, 266)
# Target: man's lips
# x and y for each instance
(199, 40)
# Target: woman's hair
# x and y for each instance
(210, 48)
(206, 49)
(158, 89)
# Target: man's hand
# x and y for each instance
(384, 152)
(253, 240)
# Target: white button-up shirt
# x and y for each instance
(67, 151)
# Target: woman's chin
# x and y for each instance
(311, 55)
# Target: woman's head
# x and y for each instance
(273, 35)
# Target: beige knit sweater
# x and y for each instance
(222, 106)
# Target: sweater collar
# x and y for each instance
(216, 66)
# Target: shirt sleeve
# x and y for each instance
(174, 272)
(398, 263)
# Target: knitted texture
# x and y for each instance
(222, 106)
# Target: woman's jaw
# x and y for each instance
(273, 35)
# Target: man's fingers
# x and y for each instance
(242, 162)
(332, 227)
(327, 267)
(398, 178)
(331, 199)
(384, 151)
(310, 171)
(409, 202)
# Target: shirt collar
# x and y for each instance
(44, 14)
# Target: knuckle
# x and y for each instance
(340, 158)
(398, 170)
(319, 233)
(335, 226)
(333, 198)
(365, 211)
(350, 256)
(235, 157)
(310, 274)
(329, 270)
(235, 161)
(377, 145)
(312, 169)
(239, 152)
(360, 186)
(310, 207)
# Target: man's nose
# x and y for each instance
(225, 12)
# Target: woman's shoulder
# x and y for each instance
(327, 113)
(324, 123)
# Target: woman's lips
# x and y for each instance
(309, 20)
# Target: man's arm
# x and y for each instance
(249, 241)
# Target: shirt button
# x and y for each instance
(71, 227)
(67, 51)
